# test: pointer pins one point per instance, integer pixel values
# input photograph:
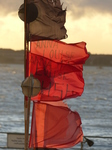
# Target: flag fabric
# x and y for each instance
(50, 20)
(54, 127)
(58, 66)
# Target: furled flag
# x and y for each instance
(58, 66)
(54, 127)
(46, 19)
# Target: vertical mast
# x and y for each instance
(26, 49)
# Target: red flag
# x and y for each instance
(59, 68)
(54, 127)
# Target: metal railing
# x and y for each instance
(87, 139)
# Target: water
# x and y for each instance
(94, 106)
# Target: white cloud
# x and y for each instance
(77, 7)
(9, 6)
(83, 8)
(11, 32)
(94, 31)
(86, 21)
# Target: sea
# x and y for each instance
(94, 106)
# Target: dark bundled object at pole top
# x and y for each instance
(45, 19)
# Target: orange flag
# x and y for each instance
(54, 126)
(59, 67)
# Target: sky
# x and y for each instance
(86, 20)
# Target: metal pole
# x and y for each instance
(81, 145)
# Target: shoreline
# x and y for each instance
(8, 56)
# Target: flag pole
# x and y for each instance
(26, 49)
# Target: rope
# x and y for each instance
(85, 140)
(106, 137)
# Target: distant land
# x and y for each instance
(9, 56)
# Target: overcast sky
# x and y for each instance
(87, 20)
